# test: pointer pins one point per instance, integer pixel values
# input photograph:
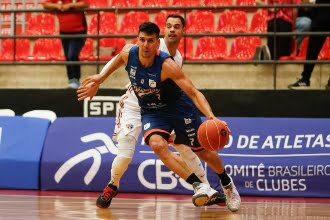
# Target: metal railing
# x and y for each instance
(185, 11)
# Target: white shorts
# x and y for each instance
(128, 118)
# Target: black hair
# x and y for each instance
(177, 16)
(149, 28)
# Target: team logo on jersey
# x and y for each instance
(133, 71)
(152, 83)
(187, 121)
(142, 81)
(129, 126)
(146, 126)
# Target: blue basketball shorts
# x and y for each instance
(163, 123)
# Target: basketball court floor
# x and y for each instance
(51, 205)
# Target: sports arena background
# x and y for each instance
(280, 138)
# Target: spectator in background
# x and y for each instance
(71, 22)
(320, 23)
(281, 20)
(303, 23)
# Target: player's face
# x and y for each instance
(148, 44)
(174, 29)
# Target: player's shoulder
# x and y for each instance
(127, 47)
(169, 63)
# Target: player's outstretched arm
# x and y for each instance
(172, 71)
(91, 84)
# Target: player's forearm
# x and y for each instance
(202, 104)
(51, 6)
(110, 67)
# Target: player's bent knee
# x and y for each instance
(158, 145)
(126, 146)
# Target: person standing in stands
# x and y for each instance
(320, 23)
(71, 22)
(303, 23)
(279, 20)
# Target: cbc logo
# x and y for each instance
(101, 106)
(172, 179)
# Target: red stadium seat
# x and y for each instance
(186, 3)
(303, 50)
(47, 49)
(259, 22)
(218, 3)
(124, 3)
(41, 24)
(243, 48)
(99, 4)
(325, 50)
(87, 51)
(211, 48)
(155, 3)
(109, 47)
(247, 3)
(108, 24)
(200, 22)
(323, 55)
(131, 21)
(22, 49)
(160, 19)
(232, 21)
(186, 48)
(55, 47)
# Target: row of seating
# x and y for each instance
(207, 48)
(167, 3)
(197, 22)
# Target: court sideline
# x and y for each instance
(53, 205)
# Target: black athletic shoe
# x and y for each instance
(300, 84)
(217, 199)
(104, 200)
(327, 87)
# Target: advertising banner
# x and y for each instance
(78, 154)
(265, 156)
(21, 143)
(279, 156)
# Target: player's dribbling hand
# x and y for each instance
(225, 123)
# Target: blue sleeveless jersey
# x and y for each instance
(146, 82)
(164, 106)
(154, 95)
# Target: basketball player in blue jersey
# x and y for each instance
(129, 126)
(151, 73)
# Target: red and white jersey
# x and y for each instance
(129, 115)
(177, 57)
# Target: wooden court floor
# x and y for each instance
(50, 205)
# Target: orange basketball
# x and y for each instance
(213, 134)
